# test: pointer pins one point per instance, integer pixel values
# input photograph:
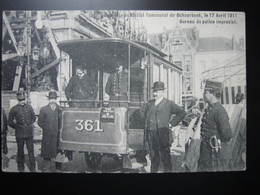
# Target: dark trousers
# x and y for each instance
(20, 153)
(209, 160)
(93, 160)
(47, 165)
(159, 146)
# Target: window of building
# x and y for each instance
(233, 94)
(165, 80)
(227, 95)
(156, 73)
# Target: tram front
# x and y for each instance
(101, 124)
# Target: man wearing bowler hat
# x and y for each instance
(157, 137)
(21, 118)
(50, 122)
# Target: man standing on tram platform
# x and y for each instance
(157, 137)
(117, 85)
(215, 129)
(81, 87)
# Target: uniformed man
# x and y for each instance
(117, 85)
(158, 115)
(81, 87)
(215, 129)
(21, 118)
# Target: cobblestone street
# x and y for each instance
(77, 165)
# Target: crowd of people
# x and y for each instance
(157, 114)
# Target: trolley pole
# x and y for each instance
(28, 52)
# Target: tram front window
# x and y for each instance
(117, 84)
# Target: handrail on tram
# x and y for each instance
(103, 101)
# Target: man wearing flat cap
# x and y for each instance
(158, 114)
(50, 122)
(21, 118)
(215, 129)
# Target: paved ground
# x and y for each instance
(77, 165)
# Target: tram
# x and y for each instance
(115, 126)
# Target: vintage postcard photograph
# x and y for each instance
(123, 91)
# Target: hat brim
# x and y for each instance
(158, 89)
(51, 97)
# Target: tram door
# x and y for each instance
(138, 97)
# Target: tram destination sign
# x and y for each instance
(107, 115)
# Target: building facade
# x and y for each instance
(222, 59)
(180, 45)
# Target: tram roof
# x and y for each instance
(108, 51)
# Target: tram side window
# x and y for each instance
(137, 80)
(137, 90)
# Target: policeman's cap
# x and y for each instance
(213, 85)
(20, 95)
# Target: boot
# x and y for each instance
(46, 166)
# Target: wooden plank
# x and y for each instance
(10, 32)
(17, 77)
(46, 67)
(52, 39)
(4, 32)
(9, 56)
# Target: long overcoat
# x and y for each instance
(50, 122)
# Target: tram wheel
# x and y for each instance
(93, 161)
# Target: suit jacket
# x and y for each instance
(164, 115)
(21, 118)
(50, 122)
(165, 110)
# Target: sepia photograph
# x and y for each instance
(123, 91)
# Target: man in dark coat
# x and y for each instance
(50, 122)
(158, 115)
(81, 87)
(215, 129)
(4, 130)
(21, 118)
(117, 86)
